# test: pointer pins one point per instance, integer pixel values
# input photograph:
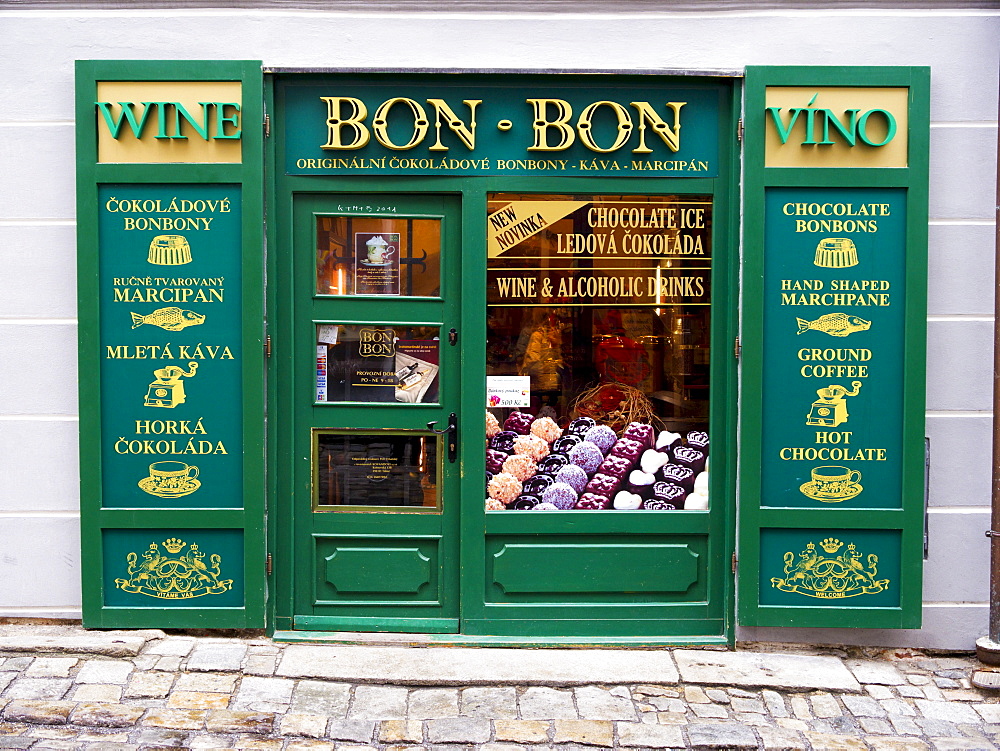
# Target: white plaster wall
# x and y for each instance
(37, 324)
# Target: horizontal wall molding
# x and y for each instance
(957, 510)
(39, 418)
(534, 8)
(38, 321)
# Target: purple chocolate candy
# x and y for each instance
(580, 426)
(616, 466)
(565, 444)
(537, 484)
(606, 485)
(573, 476)
(504, 441)
(698, 439)
(675, 473)
(656, 504)
(495, 460)
(587, 456)
(689, 457)
(593, 502)
(560, 495)
(641, 433)
(552, 463)
(519, 422)
(628, 448)
(603, 436)
(489, 476)
(524, 502)
(669, 493)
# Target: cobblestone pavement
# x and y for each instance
(168, 692)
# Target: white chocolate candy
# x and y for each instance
(625, 501)
(666, 439)
(696, 502)
(701, 483)
(638, 477)
(650, 461)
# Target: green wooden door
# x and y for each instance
(375, 373)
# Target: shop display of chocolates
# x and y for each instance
(533, 464)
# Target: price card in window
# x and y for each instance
(508, 391)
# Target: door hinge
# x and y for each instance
(739, 130)
(737, 348)
(267, 126)
(735, 561)
(267, 345)
(269, 565)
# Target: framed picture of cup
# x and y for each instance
(376, 263)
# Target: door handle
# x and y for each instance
(452, 432)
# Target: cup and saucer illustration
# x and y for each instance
(832, 484)
(170, 479)
(379, 252)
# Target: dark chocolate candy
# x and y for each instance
(504, 441)
(641, 482)
(537, 484)
(519, 422)
(580, 426)
(628, 448)
(606, 485)
(669, 493)
(593, 502)
(675, 473)
(565, 443)
(698, 439)
(553, 463)
(524, 502)
(616, 466)
(689, 457)
(495, 460)
(656, 504)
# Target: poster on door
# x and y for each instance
(376, 267)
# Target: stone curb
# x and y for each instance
(117, 645)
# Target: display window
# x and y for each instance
(598, 320)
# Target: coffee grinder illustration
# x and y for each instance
(168, 390)
(830, 410)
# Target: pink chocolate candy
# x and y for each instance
(519, 422)
(641, 433)
(616, 466)
(593, 501)
(628, 448)
(606, 485)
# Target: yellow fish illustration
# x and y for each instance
(835, 324)
(171, 319)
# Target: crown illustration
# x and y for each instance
(173, 545)
(831, 544)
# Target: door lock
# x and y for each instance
(452, 432)
(453, 337)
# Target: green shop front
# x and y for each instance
(466, 355)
